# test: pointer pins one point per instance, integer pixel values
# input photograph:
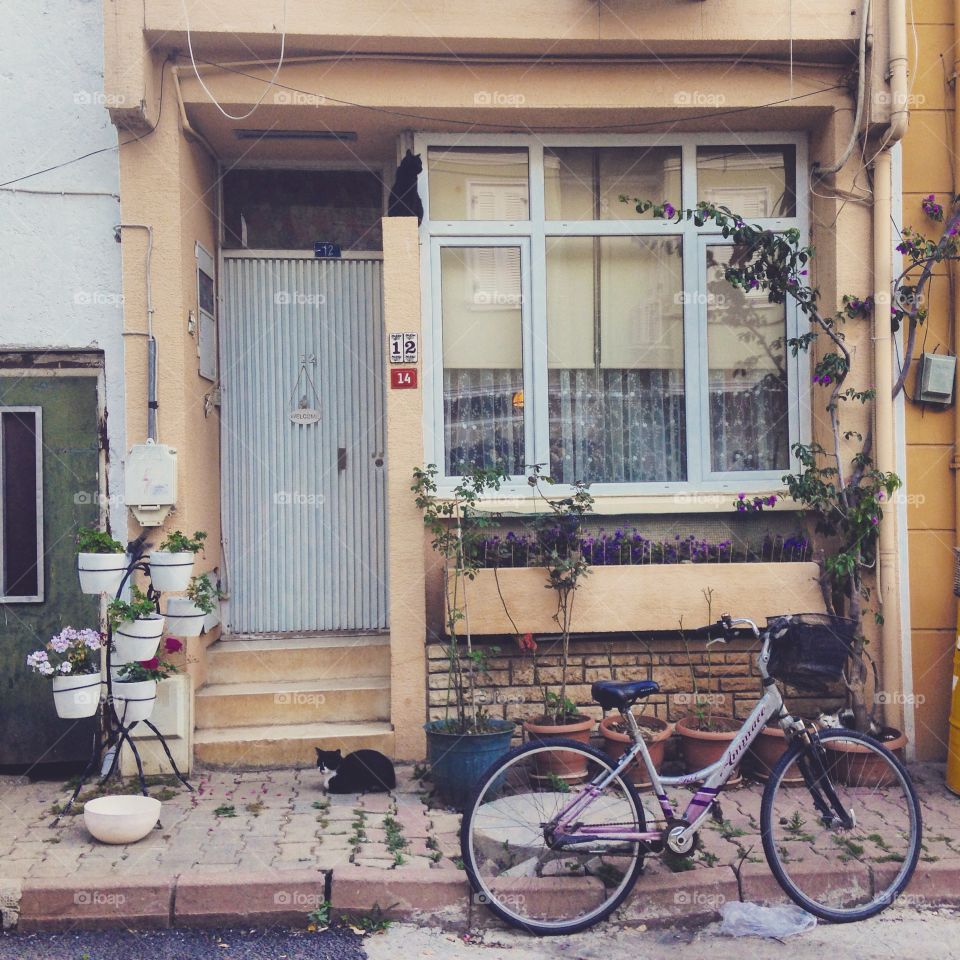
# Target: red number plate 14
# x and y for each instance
(403, 378)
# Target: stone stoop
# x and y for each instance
(269, 700)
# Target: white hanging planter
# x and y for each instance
(170, 572)
(134, 701)
(136, 640)
(101, 572)
(76, 697)
(184, 617)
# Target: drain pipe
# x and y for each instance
(888, 570)
(151, 339)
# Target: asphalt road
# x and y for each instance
(917, 935)
(333, 944)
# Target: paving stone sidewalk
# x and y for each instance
(268, 822)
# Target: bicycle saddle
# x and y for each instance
(614, 695)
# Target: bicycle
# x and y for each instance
(552, 850)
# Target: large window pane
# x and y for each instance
(615, 359)
(478, 183)
(483, 402)
(749, 427)
(758, 181)
(586, 183)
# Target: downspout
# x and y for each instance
(151, 339)
(891, 639)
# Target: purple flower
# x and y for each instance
(669, 211)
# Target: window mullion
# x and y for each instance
(537, 403)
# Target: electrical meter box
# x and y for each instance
(150, 482)
(936, 379)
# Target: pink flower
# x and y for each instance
(152, 664)
(172, 645)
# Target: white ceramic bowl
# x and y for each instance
(121, 818)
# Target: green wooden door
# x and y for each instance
(31, 734)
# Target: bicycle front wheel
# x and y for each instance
(516, 864)
(844, 841)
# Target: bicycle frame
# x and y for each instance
(713, 777)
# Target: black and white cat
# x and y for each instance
(364, 771)
(404, 199)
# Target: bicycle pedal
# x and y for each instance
(716, 812)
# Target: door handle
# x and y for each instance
(341, 459)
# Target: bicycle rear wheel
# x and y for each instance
(843, 842)
(515, 868)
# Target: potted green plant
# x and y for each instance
(559, 533)
(186, 615)
(704, 733)
(72, 659)
(134, 685)
(172, 562)
(466, 740)
(136, 627)
(655, 732)
(101, 561)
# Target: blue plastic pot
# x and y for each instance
(458, 761)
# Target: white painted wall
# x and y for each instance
(60, 279)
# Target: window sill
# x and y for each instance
(611, 504)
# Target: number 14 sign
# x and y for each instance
(403, 348)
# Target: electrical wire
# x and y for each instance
(206, 89)
(513, 126)
(94, 153)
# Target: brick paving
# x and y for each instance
(269, 822)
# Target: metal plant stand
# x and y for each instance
(111, 732)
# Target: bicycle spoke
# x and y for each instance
(513, 858)
(843, 842)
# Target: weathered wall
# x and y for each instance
(59, 262)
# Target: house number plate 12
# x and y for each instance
(404, 348)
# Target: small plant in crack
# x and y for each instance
(395, 838)
(225, 810)
(728, 831)
(255, 808)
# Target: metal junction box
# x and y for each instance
(937, 374)
(150, 482)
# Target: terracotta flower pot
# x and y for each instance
(615, 742)
(564, 764)
(765, 753)
(701, 748)
(857, 765)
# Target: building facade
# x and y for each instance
(62, 412)
(313, 352)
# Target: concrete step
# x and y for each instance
(287, 745)
(260, 657)
(292, 702)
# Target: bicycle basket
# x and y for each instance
(809, 649)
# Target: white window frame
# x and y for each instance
(41, 586)
(535, 230)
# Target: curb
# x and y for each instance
(438, 896)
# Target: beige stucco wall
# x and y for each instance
(401, 307)
(169, 184)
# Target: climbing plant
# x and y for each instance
(837, 482)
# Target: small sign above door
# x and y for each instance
(305, 416)
(324, 248)
(404, 347)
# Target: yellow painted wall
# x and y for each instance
(930, 483)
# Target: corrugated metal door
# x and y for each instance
(304, 504)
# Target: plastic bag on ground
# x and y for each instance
(757, 920)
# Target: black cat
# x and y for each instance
(404, 199)
(364, 771)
